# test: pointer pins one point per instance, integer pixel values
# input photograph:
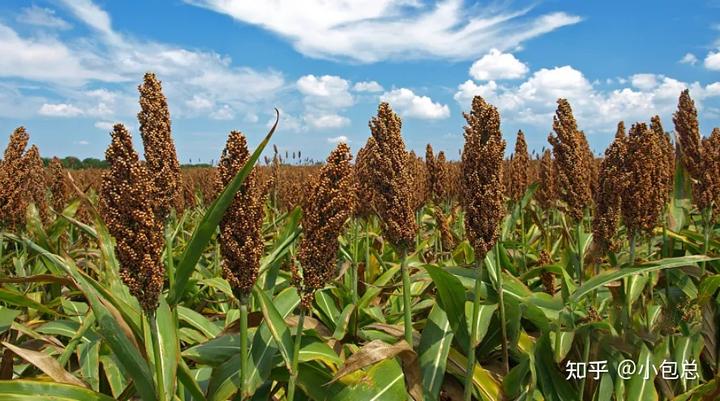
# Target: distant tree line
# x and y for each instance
(74, 163)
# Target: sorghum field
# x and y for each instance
(384, 276)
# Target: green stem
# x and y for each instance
(160, 380)
(473, 333)
(169, 263)
(665, 254)
(707, 216)
(503, 326)
(580, 267)
(522, 237)
(586, 358)
(407, 313)
(367, 245)
(296, 356)
(244, 390)
(354, 278)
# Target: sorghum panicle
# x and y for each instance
(668, 160)
(364, 166)
(643, 196)
(59, 188)
(241, 239)
(700, 156)
(330, 203)
(607, 194)
(126, 205)
(160, 156)
(482, 176)
(22, 180)
(546, 194)
(420, 190)
(519, 167)
(392, 180)
(574, 171)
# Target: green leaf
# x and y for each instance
(13, 297)
(29, 390)
(276, 324)
(124, 348)
(7, 316)
(485, 313)
(434, 349)
(168, 347)
(552, 384)
(561, 346)
(319, 351)
(642, 386)
(451, 298)
(188, 381)
(341, 323)
(383, 381)
(612, 275)
(198, 321)
(206, 227)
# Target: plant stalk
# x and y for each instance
(244, 390)
(296, 356)
(407, 313)
(707, 216)
(503, 326)
(522, 237)
(473, 332)
(580, 267)
(159, 379)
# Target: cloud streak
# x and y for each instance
(368, 31)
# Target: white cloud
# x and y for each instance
(30, 58)
(408, 104)
(338, 139)
(93, 16)
(288, 122)
(533, 101)
(82, 142)
(497, 65)
(375, 30)
(469, 89)
(43, 17)
(199, 103)
(223, 113)
(367, 86)
(109, 57)
(60, 110)
(689, 58)
(327, 91)
(712, 61)
(644, 81)
(326, 121)
(104, 125)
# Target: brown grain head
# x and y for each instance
(59, 188)
(643, 195)
(126, 205)
(607, 196)
(574, 172)
(519, 168)
(330, 204)
(392, 179)
(241, 239)
(482, 176)
(160, 155)
(546, 192)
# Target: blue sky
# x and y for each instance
(70, 68)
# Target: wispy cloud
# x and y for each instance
(374, 30)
